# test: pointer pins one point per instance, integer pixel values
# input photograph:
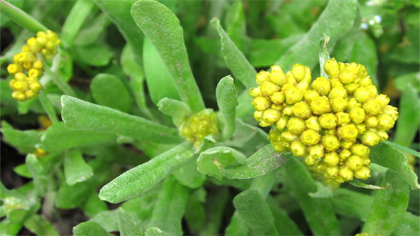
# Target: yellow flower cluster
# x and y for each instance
(332, 123)
(199, 125)
(27, 66)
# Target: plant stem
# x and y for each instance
(54, 75)
(48, 107)
(20, 17)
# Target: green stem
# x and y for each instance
(75, 20)
(54, 75)
(20, 17)
(48, 107)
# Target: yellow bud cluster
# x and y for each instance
(27, 67)
(199, 125)
(332, 123)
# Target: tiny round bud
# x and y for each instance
(296, 125)
(360, 150)
(30, 94)
(288, 110)
(328, 121)
(347, 77)
(344, 154)
(330, 142)
(365, 81)
(298, 72)
(258, 115)
(371, 121)
(290, 79)
(310, 160)
(320, 105)
(342, 118)
(331, 68)
(373, 91)
(346, 173)
(362, 173)
(338, 104)
(336, 83)
(20, 85)
(34, 73)
(18, 95)
(348, 132)
(298, 148)
(33, 45)
(338, 92)
(351, 88)
(277, 75)
(14, 68)
(309, 95)
(310, 137)
(255, 92)
(361, 128)
(302, 110)
(316, 151)
(392, 111)
(293, 95)
(383, 135)
(278, 97)
(331, 158)
(321, 85)
(357, 115)
(268, 88)
(270, 116)
(370, 138)
(38, 64)
(362, 94)
(331, 171)
(366, 161)
(372, 107)
(385, 122)
(354, 162)
(262, 77)
(27, 65)
(382, 99)
(265, 124)
(261, 103)
(313, 123)
(20, 76)
(289, 137)
(346, 144)
(353, 103)
(35, 86)
(282, 122)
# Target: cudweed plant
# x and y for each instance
(123, 126)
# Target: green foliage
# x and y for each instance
(125, 68)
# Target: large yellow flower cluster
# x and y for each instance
(199, 125)
(28, 66)
(332, 123)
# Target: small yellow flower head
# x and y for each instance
(370, 138)
(320, 105)
(328, 121)
(258, 115)
(299, 72)
(288, 110)
(277, 75)
(357, 115)
(261, 103)
(348, 132)
(347, 77)
(330, 142)
(385, 122)
(351, 88)
(262, 77)
(309, 95)
(392, 111)
(346, 173)
(331, 68)
(362, 173)
(331, 159)
(354, 162)
(310, 137)
(293, 95)
(338, 92)
(338, 104)
(270, 116)
(346, 144)
(265, 124)
(298, 148)
(30, 94)
(321, 85)
(282, 122)
(382, 99)
(331, 171)
(383, 135)
(371, 121)
(33, 45)
(344, 154)
(268, 88)
(14, 68)
(20, 96)
(352, 103)
(342, 118)
(296, 125)
(372, 107)
(278, 97)
(310, 160)
(289, 137)
(255, 92)
(313, 123)
(360, 150)
(316, 151)
(302, 110)
(362, 94)
(197, 126)
(20, 85)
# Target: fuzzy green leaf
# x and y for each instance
(22, 170)
(237, 226)
(109, 91)
(409, 225)
(38, 173)
(177, 109)
(188, 175)
(75, 20)
(37, 225)
(364, 52)
(351, 203)
(140, 179)
(155, 231)
(75, 168)
(389, 206)
(73, 196)
(299, 174)
(127, 225)
(403, 149)
(24, 141)
(163, 30)
(107, 220)
(360, 184)
(235, 60)
(401, 82)
(94, 55)
(78, 114)
(227, 102)
(283, 223)
(89, 228)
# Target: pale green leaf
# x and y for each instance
(227, 102)
(75, 167)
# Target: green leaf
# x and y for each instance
(235, 60)
(75, 168)
(408, 120)
(177, 109)
(360, 184)
(299, 174)
(37, 225)
(157, 75)
(227, 102)
(94, 55)
(236, 25)
(106, 120)
(74, 21)
(155, 231)
(403, 149)
(389, 206)
(162, 28)
(22, 170)
(323, 54)
(169, 208)
(127, 225)
(215, 208)
(24, 141)
(109, 91)
(39, 176)
(195, 214)
(387, 156)
(107, 220)
(335, 21)
(140, 179)
(283, 223)
(188, 175)
(52, 139)
(322, 192)
(90, 34)
(73, 196)
(351, 203)
(225, 157)
(237, 226)
(401, 82)
(89, 228)
(252, 208)
(409, 225)
(93, 204)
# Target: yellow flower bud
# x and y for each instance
(347, 77)
(383, 135)
(342, 118)
(330, 142)
(321, 85)
(361, 128)
(309, 95)
(316, 151)
(14, 68)
(262, 77)
(331, 68)
(278, 97)
(20, 76)
(320, 105)
(338, 104)
(362, 173)
(277, 107)
(392, 111)
(268, 88)
(328, 121)
(310, 137)
(18, 95)
(372, 107)
(331, 171)
(385, 121)
(330, 132)
(371, 121)
(313, 123)
(336, 83)
(255, 92)
(296, 125)
(50, 45)
(290, 79)
(310, 160)
(258, 115)
(38, 64)
(351, 88)
(346, 173)
(331, 159)
(27, 65)
(338, 92)
(354, 162)
(302, 110)
(42, 41)
(277, 75)
(30, 94)
(298, 72)
(34, 73)
(288, 110)
(353, 103)
(344, 154)
(20, 85)
(293, 95)
(370, 138)
(51, 36)
(265, 124)
(373, 91)
(362, 94)
(261, 103)
(382, 99)
(346, 144)
(298, 148)
(25, 48)
(282, 122)
(33, 45)
(360, 150)
(270, 116)
(289, 137)
(348, 132)
(357, 115)
(274, 135)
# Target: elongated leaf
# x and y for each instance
(188, 175)
(169, 208)
(387, 156)
(89, 228)
(264, 184)
(90, 34)
(52, 139)
(74, 21)
(299, 174)
(351, 203)
(215, 208)
(155, 231)
(235, 60)
(389, 206)
(38, 174)
(402, 148)
(227, 102)
(335, 21)
(252, 208)
(37, 225)
(107, 220)
(109, 91)
(24, 141)
(409, 225)
(401, 82)
(407, 123)
(162, 27)
(283, 223)
(127, 226)
(22, 170)
(73, 196)
(93, 204)
(140, 179)
(360, 184)
(157, 75)
(177, 109)
(223, 156)
(237, 226)
(75, 167)
(78, 114)
(195, 214)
